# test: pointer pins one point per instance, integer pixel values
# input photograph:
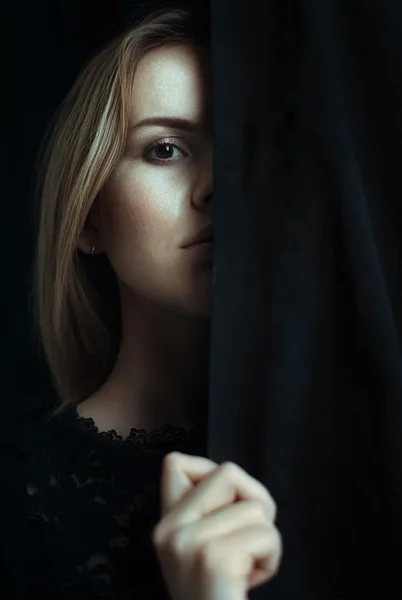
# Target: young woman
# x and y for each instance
(122, 288)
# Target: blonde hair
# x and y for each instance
(75, 300)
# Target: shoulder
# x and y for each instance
(18, 445)
(29, 445)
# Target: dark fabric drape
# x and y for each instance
(306, 356)
(306, 371)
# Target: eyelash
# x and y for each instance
(160, 161)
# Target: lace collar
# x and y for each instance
(166, 433)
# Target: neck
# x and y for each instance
(161, 372)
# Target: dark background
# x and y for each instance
(306, 375)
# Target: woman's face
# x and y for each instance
(160, 194)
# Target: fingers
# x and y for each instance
(256, 560)
(220, 523)
(217, 532)
(225, 485)
(180, 472)
(258, 545)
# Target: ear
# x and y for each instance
(86, 242)
(91, 235)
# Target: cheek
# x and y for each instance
(139, 216)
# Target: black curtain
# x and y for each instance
(306, 354)
(306, 375)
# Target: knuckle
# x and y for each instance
(276, 544)
(267, 514)
(171, 459)
(174, 543)
(161, 534)
(157, 537)
(230, 468)
(273, 507)
(258, 509)
(276, 563)
(279, 542)
(178, 542)
(206, 556)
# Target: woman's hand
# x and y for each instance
(216, 538)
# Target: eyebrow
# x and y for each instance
(175, 122)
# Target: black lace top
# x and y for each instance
(78, 508)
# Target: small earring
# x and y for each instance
(93, 250)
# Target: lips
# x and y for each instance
(204, 236)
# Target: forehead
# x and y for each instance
(174, 80)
